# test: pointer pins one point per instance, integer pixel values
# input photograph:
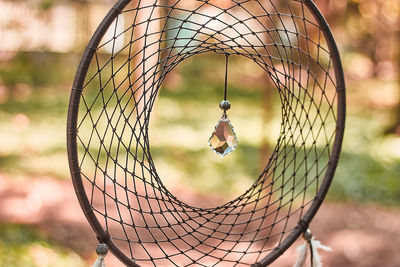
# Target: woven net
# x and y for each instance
(123, 69)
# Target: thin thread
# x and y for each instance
(311, 252)
(226, 76)
(226, 83)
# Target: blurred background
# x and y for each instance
(41, 224)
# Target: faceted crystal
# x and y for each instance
(223, 140)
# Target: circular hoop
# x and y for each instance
(73, 150)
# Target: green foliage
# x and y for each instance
(363, 178)
(182, 121)
(38, 69)
(46, 4)
(369, 168)
(24, 246)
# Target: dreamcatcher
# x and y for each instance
(124, 65)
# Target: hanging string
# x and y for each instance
(225, 105)
(226, 76)
(313, 245)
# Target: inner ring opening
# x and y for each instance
(180, 112)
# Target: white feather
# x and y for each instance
(315, 244)
(100, 262)
(302, 251)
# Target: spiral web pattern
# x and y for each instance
(124, 66)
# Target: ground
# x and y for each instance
(359, 234)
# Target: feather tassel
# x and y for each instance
(100, 262)
(302, 251)
(313, 245)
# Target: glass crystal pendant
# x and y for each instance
(223, 140)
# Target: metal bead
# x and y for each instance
(102, 249)
(307, 235)
(225, 105)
